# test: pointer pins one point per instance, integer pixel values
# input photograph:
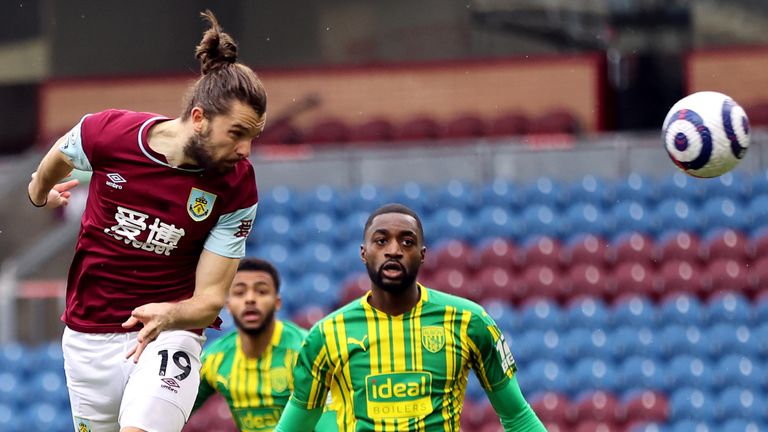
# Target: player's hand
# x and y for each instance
(154, 317)
(59, 195)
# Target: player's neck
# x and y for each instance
(395, 303)
(169, 139)
(254, 346)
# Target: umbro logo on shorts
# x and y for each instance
(170, 384)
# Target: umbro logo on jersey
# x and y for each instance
(114, 180)
(170, 384)
(361, 342)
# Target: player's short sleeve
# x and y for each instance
(491, 357)
(227, 238)
(313, 372)
(72, 147)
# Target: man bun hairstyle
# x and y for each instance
(223, 79)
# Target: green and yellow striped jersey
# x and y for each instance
(255, 389)
(401, 373)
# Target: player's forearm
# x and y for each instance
(296, 418)
(196, 312)
(54, 167)
(513, 410)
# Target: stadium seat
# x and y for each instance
(760, 308)
(315, 227)
(411, 194)
(542, 314)
(728, 244)
(49, 387)
(691, 425)
(457, 193)
(590, 374)
(641, 426)
(599, 406)
(587, 280)
(679, 185)
(726, 275)
(543, 375)
(691, 339)
(497, 252)
(586, 312)
(354, 287)
(329, 130)
(586, 249)
(675, 214)
(633, 247)
(542, 251)
(505, 316)
(542, 220)
(455, 282)
(693, 404)
(726, 338)
(214, 415)
(641, 372)
(729, 307)
(496, 222)
(508, 124)
(635, 187)
(322, 289)
(454, 254)
(556, 121)
(544, 282)
(646, 406)
(729, 185)
(683, 309)
(740, 371)
(42, 416)
(629, 341)
(678, 276)
(48, 357)
(589, 190)
(758, 274)
(553, 407)
(758, 183)
(634, 309)
(15, 358)
(374, 130)
(418, 128)
(364, 198)
(543, 191)
(635, 279)
(474, 411)
(501, 193)
(446, 224)
(742, 425)
(759, 240)
(307, 316)
(685, 370)
(275, 229)
(632, 217)
(737, 402)
(464, 125)
(498, 283)
(280, 132)
(757, 214)
(723, 213)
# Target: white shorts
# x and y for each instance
(108, 391)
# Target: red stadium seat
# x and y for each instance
(553, 407)
(474, 415)
(454, 254)
(328, 131)
(500, 284)
(634, 248)
(308, 316)
(760, 246)
(544, 282)
(280, 132)
(590, 281)
(599, 406)
(588, 250)
(213, 415)
(375, 130)
(465, 126)
(597, 426)
(682, 246)
(679, 276)
(454, 282)
(544, 251)
(729, 244)
(758, 114)
(354, 288)
(634, 278)
(722, 275)
(418, 128)
(509, 124)
(555, 427)
(759, 274)
(647, 406)
(498, 253)
(554, 122)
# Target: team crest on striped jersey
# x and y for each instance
(433, 338)
(279, 377)
(200, 204)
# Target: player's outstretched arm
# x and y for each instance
(43, 189)
(296, 418)
(515, 413)
(214, 275)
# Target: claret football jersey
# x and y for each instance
(145, 223)
(401, 373)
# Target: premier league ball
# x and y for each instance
(706, 134)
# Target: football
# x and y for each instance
(706, 134)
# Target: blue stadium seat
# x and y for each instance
(581, 342)
(546, 375)
(496, 222)
(720, 213)
(50, 387)
(676, 214)
(682, 309)
(272, 229)
(629, 341)
(760, 310)
(47, 417)
(315, 227)
(757, 212)
(412, 194)
(679, 185)
(447, 224)
(636, 187)
(591, 313)
(742, 425)
(725, 338)
(760, 334)
(634, 311)
(10, 420)
(637, 373)
(729, 308)
(276, 253)
(322, 198)
(501, 193)
(587, 218)
(631, 217)
(590, 374)
(691, 425)
(731, 185)
(524, 346)
(319, 289)
(737, 402)
(685, 370)
(457, 194)
(543, 315)
(48, 357)
(365, 198)
(741, 371)
(350, 228)
(648, 427)
(543, 191)
(313, 257)
(758, 183)
(278, 200)
(677, 338)
(588, 190)
(542, 220)
(691, 403)
(16, 358)
(505, 316)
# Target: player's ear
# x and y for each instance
(278, 302)
(423, 253)
(362, 254)
(198, 117)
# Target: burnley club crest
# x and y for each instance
(200, 204)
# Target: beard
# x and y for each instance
(255, 331)
(406, 280)
(196, 149)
